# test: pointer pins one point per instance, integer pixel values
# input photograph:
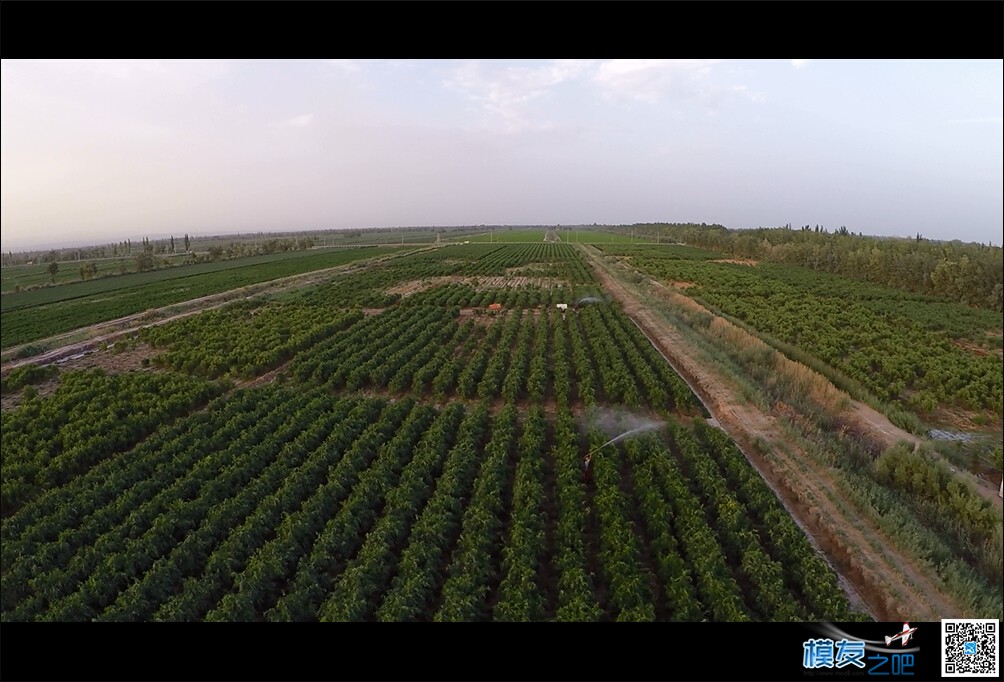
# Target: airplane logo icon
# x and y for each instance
(903, 636)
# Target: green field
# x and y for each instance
(37, 275)
(515, 235)
(907, 350)
(415, 464)
(37, 314)
(413, 455)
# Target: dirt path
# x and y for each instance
(70, 343)
(890, 584)
(865, 420)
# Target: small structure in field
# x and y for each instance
(494, 307)
(562, 306)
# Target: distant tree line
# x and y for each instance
(969, 273)
(145, 257)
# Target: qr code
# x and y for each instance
(970, 648)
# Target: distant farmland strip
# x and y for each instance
(46, 312)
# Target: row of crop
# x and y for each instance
(550, 260)
(52, 528)
(91, 416)
(475, 561)
(258, 587)
(582, 363)
(244, 339)
(429, 541)
(806, 574)
(286, 505)
(677, 587)
(263, 552)
(516, 375)
(382, 362)
(256, 506)
(766, 594)
(576, 590)
(617, 381)
(366, 577)
(483, 294)
(333, 360)
(452, 362)
(664, 387)
(261, 469)
(496, 369)
(426, 362)
(475, 366)
(620, 548)
(559, 268)
(520, 595)
(118, 552)
(717, 590)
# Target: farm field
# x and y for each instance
(411, 456)
(37, 274)
(33, 315)
(912, 352)
(407, 442)
(570, 235)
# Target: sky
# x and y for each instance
(100, 151)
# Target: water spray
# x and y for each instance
(626, 434)
(611, 422)
(585, 300)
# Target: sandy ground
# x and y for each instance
(890, 583)
(479, 283)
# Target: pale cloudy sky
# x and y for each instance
(95, 151)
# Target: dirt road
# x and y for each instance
(107, 332)
(891, 584)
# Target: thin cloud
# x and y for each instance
(301, 121)
(652, 80)
(648, 80)
(505, 93)
(800, 63)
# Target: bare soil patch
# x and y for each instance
(415, 286)
(479, 283)
(505, 282)
(738, 261)
(107, 360)
(116, 363)
(971, 347)
(13, 400)
(954, 418)
(528, 267)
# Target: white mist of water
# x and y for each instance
(619, 425)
